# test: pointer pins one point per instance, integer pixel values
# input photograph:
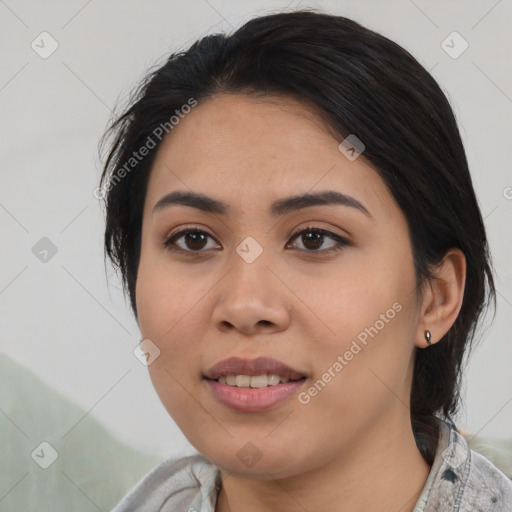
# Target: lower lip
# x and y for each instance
(253, 399)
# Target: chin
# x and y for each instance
(251, 462)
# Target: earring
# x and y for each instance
(428, 337)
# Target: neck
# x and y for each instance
(383, 470)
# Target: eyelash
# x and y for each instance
(341, 242)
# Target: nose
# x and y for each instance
(251, 299)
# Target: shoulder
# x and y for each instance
(487, 484)
(171, 485)
(466, 481)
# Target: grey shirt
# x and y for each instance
(460, 480)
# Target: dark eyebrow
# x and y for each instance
(328, 197)
(277, 208)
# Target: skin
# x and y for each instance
(295, 303)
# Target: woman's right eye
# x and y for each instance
(188, 240)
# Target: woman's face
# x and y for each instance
(335, 311)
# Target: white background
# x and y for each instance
(59, 318)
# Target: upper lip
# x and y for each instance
(251, 367)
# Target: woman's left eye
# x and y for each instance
(313, 239)
(194, 240)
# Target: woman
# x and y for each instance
(294, 219)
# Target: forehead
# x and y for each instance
(276, 123)
(243, 148)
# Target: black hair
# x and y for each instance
(361, 83)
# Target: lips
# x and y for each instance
(231, 383)
(252, 367)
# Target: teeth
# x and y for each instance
(243, 381)
(256, 381)
(272, 380)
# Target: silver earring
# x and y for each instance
(428, 337)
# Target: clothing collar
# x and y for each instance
(206, 499)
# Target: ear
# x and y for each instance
(442, 298)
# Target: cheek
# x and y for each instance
(167, 298)
(171, 316)
(364, 364)
(368, 367)
(356, 302)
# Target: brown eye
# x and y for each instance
(189, 240)
(313, 239)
